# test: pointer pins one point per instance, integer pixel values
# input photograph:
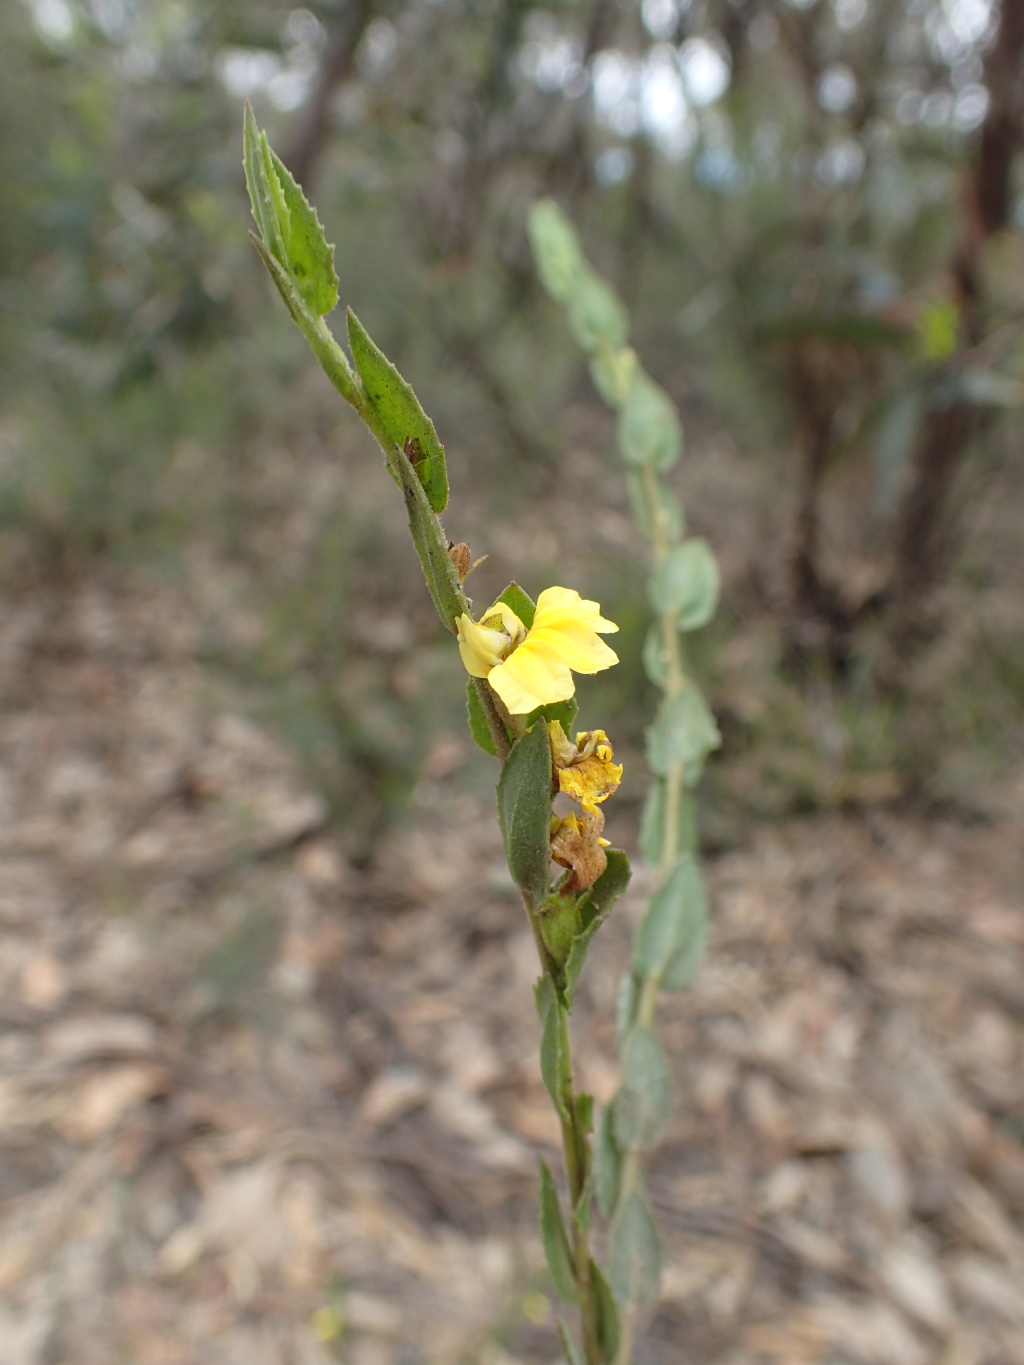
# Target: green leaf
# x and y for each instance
(626, 1001)
(652, 824)
(556, 248)
(607, 1164)
(524, 812)
(675, 918)
(428, 538)
(551, 1059)
(257, 183)
(596, 317)
(573, 1355)
(562, 711)
(684, 731)
(689, 951)
(608, 1330)
(331, 358)
(655, 506)
(655, 655)
(556, 1240)
(686, 584)
(406, 424)
(594, 908)
(478, 726)
(559, 925)
(521, 603)
(612, 373)
(649, 430)
(634, 1253)
(309, 257)
(644, 1102)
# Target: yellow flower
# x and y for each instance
(585, 771)
(532, 668)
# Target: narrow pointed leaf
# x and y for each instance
(524, 812)
(406, 424)
(607, 1164)
(653, 828)
(428, 538)
(256, 181)
(556, 1240)
(478, 726)
(571, 1351)
(309, 255)
(550, 1041)
(608, 1328)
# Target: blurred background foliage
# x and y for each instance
(814, 212)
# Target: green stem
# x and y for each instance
(578, 1159)
(578, 1163)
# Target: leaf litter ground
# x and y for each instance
(258, 1105)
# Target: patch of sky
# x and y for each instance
(850, 14)
(970, 107)
(661, 17)
(840, 164)
(614, 165)
(704, 69)
(718, 168)
(837, 88)
(54, 20)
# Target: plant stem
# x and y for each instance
(578, 1163)
(576, 1145)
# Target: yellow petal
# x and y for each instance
(560, 604)
(533, 675)
(479, 647)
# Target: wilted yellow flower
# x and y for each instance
(584, 770)
(533, 668)
(576, 844)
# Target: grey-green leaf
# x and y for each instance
(612, 372)
(549, 1009)
(556, 248)
(653, 826)
(608, 1329)
(684, 731)
(634, 1253)
(596, 316)
(478, 726)
(677, 913)
(655, 506)
(686, 584)
(573, 1355)
(407, 426)
(649, 430)
(607, 1164)
(524, 811)
(556, 1240)
(643, 1104)
(595, 907)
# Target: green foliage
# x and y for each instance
(555, 1238)
(607, 1164)
(551, 1058)
(686, 584)
(683, 734)
(593, 909)
(608, 1324)
(524, 812)
(478, 726)
(403, 421)
(520, 602)
(642, 1107)
(649, 432)
(635, 1252)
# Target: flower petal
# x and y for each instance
(533, 675)
(479, 647)
(559, 606)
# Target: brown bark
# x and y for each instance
(923, 536)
